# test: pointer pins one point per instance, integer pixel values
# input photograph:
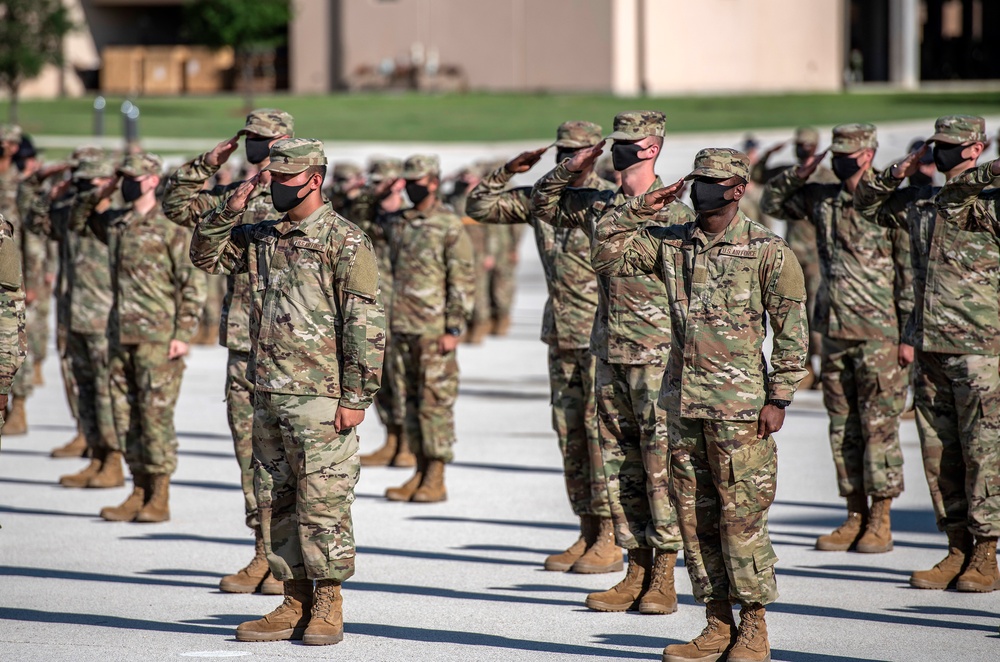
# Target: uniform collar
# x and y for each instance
(413, 213)
(735, 233)
(308, 226)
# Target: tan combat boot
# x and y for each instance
(272, 585)
(432, 488)
(82, 477)
(37, 378)
(476, 334)
(326, 625)
(501, 326)
(751, 642)
(128, 509)
(624, 596)
(713, 642)
(982, 575)
(383, 456)
(250, 577)
(157, 506)
(110, 474)
(405, 491)
(661, 597)
(877, 537)
(286, 622)
(846, 536)
(17, 418)
(564, 560)
(604, 555)
(946, 572)
(405, 457)
(76, 447)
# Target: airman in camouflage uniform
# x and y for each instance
(485, 247)
(953, 327)
(346, 182)
(158, 296)
(83, 306)
(631, 339)
(864, 303)
(567, 320)
(376, 211)
(724, 276)
(433, 287)
(13, 339)
(317, 330)
(802, 236)
(185, 202)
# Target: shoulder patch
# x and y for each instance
(790, 283)
(363, 279)
(10, 263)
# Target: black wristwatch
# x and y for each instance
(780, 404)
(453, 331)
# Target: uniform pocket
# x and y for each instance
(754, 468)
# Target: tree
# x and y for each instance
(249, 28)
(31, 36)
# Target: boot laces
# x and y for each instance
(980, 554)
(747, 630)
(323, 601)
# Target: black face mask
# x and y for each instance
(416, 192)
(708, 195)
(625, 155)
(84, 185)
(131, 189)
(803, 152)
(946, 156)
(844, 167)
(284, 197)
(920, 179)
(257, 149)
(460, 188)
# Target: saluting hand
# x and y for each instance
(910, 164)
(809, 166)
(385, 187)
(769, 421)
(585, 158)
(663, 196)
(238, 200)
(106, 187)
(221, 152)
(775, 148)
(524, 161)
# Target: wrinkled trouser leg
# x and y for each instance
(240, 412)
(574, 420)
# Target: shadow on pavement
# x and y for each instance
(496, 394)
(904, 520)
(509, 548)
(190, 536)
(508, 467)
(49, 513)
(486, 595)
(101, 620)
(206, 485)
(811, 541)
(441, 556)
(642, 641)
(877, 617)
(498, 522)
(76, 575)
(817, 572)
(487, 640)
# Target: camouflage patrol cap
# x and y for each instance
(10, 133)
(849, 138)
(269, 123)
(381, 169)
(94, 168)
(86, 154)
(639, 124)
(959, 129)
(345, 170)
(721, 163)
(806, 135)
(574, 135)
(421, 165)
(294, 155)
(138, 165)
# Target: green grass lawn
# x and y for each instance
(491, 117)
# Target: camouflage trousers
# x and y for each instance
(211, 314)
(503, 283)
(240, 412)
(387, 404)
(482, 307)
(426, 382)
(90, 365)
(144, 389)
(722, 482)
(23, 386)
(813, 279)
(37, 325)
(864, 391)
(66, 370)
(635, 456)
(305, 477)
(574, 420)
(957, 400)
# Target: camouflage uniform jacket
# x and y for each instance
(720, 292)
(956, 273)
(158, 294)
(632, 325)
(30, 247)
(13, 339)
(185, 202)
(867, 290)
(569, 313)
(432, 271)
(316, 318)
(365, 212)
(83, 291)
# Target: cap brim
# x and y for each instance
(286, 168)
(945, 138)
(711, 173)
(418, 174)
(575, 144)
(625, 135)
(258, 131)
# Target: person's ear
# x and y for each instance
(975, 150)
(739, 191)
(433, 184)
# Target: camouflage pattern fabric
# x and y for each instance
(305, 477)
(239, 414)
(864, 391)
(31, 269)
(723, 480)
(13, 338)
(959, 129)
(426, 384)
(268, 123)
(638, 124)
(957, 400)
(635, 458)
(145, 384)
(574, 419)
(632, 323)
(90, 363)
(503, 283)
